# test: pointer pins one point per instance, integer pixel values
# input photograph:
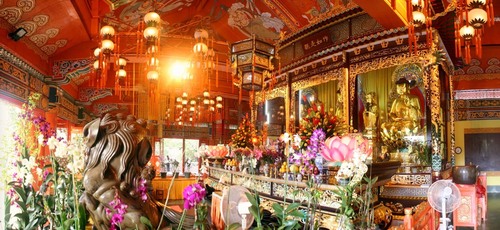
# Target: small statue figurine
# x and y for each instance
(339, 107)
(370, 115)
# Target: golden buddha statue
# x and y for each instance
(403, 118)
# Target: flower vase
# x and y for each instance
(285, 176)
(343, 181)
(266, 169)
(299, 177)
(240, 167)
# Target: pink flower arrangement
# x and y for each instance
(239, 153)
(142, 190)
(340, 149)
(193, 194)
(120, 209)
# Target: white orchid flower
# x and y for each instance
(52, 142)
(40, 139)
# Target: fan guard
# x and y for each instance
(440, 190)
(231, 198)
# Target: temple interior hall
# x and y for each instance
(250, 114)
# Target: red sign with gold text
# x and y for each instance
(317, 41)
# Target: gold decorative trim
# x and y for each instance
(335, 74)
(475, 77)
(18, 91)
(312, 31)
(477, 115)
(13, 71)
(268, 95)
(478, 104)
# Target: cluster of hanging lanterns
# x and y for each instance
(152, 35)
(190, 110)
(108, 45)
(471, 15)
(471, 18)
(203, 53)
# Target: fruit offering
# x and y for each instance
(283, 167)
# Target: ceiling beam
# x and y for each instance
(383, 12)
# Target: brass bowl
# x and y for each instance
(465, 174)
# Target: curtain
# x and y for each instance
(327, 94)
(380, 82)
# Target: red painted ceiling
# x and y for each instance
(68, 29)
(55, 27)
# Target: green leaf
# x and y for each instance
(291, 207)
(254, 211)
(20, 192)
(23, 217)
(288, 223)
(233, 226)
(251, 199)
(298, 213)
(146, 222)
(68, 223)
(277, 208)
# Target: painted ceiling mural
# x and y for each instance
(29, 14)
(54, 33)
(267, 18)
(226, 21)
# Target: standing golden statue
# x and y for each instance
(403, 118)
(370, 115)
(339, 106)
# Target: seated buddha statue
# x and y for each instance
(403, 117)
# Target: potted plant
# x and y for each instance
(175, 164)
(165, 166)
(187, 173)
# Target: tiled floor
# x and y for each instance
(492, 216)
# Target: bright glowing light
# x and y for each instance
(107, 31)
(8, 116)
(178, 69)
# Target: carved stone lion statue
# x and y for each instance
(117, 152)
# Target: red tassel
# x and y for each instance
(409, 12)
(216, 72)
(479, 49)
(393, 4)
(467, 52)
(491, 14)
(458, 42)
(239, 95)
